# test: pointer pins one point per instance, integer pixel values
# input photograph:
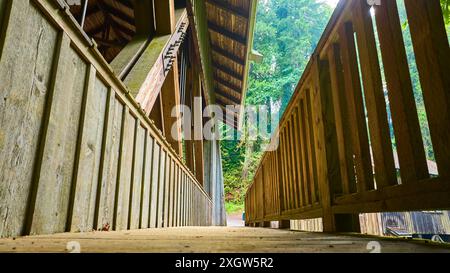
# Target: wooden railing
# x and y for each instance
(76, 151)
(329, 163)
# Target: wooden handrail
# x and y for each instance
(331, 162)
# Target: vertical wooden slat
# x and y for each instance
(358, 127)
(171, 193)
(156, 173)
(290, 167)
(26, 98)
(374, 95)
(283, 166)
(432, 52)
(342, 120)
(124, 178)
(299, 181)
(92, 126)
(161, 187)
(410, 149)
(55, 176)
(312, 167)
(306, 189)
(325, 140)
(147, 182)
(109, 170)
(137, 174)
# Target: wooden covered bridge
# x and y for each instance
(95, 148)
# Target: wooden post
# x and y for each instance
(432, 53)
(327, 152)
(165, 16)
(170, 96)
(197, 114)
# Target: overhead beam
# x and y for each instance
(117, 13)
(227, 71)
(229, 8)
(228, 55)
(228, 96)
(228, 85)
(226, 33)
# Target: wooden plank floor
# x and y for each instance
(210, 239)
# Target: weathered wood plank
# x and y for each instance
(89, 155)
(312, 166)
(381, 144)
(342, 120)
(304, 154)
(328, 171)
(170, 190)
(410, 149)
(358, 127)
(163, 169)
(299, 189)
(154, 186)
(55, 171)
(166, 191)
(137, 177)
(432, 53)
(124, 177)
(215, 240)
(147, 182)
(106, 192)
(26, 66)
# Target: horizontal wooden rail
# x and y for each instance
(77, 152)
(334, 161)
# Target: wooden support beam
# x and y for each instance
(228, 85)
(198, 130)
(164, 16)
(226, 33)
(116, 13)
(228, 55)
(156, 114)
(227, 71)
(170, 94)
(227, 96)
(229, 8)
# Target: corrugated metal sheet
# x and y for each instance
(418, 222)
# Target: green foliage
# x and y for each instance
(286, 34)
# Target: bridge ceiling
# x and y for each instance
(110, 22)
(228, 25)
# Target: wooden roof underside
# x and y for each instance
(110, 22)
(228, 25)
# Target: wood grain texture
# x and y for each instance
(154, 186)
(432, 53)
(89, 155)
(161, 188)
(137, 177)
(410, 148)
(215, 240)
(380, 138)
(358, 126)
(124, 180)
(342, 120)
(147, 182)
(56, 169)
(106, 192)
(26, 66)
